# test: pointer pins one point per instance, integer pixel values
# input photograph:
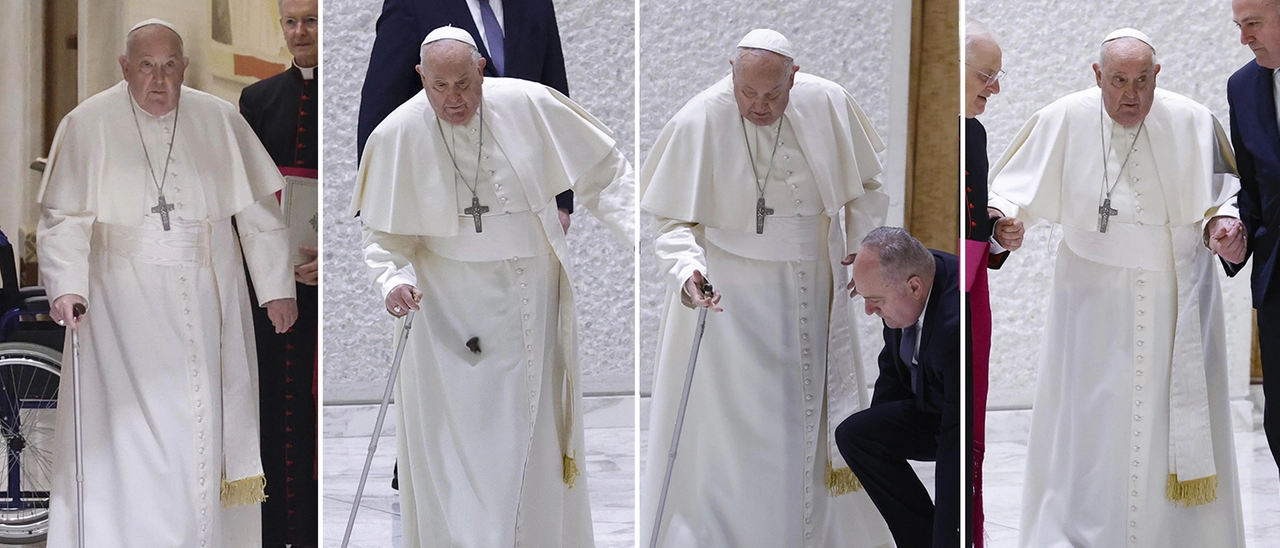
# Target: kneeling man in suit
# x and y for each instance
(915, 411)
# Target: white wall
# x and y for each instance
(21, 107)
(597, 36)
(1048, 49)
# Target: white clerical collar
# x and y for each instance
(308, 73)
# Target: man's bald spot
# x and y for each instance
(151, 32)
(1125, 48)
(449, 51)
(762, 60)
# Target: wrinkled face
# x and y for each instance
(154, 67)
(1127, 78)
(1259, 29)
(300, 21)
(762, 85)
(452, 78)
(899, 304)
(982, 63)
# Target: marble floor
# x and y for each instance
(1003, 475)
(610, 472)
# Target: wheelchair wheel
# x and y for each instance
(29, 375)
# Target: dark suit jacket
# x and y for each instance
(938, 390)
(531, 41)
(282, 111)
(977, 224)
(1256, 139)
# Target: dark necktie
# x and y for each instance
(493, 33)
(907, 349)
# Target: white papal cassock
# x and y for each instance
(169, 373)
(1132, 382)
(779, 366)
(488, 403)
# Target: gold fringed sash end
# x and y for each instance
(1192, 493)
(250, 490)
(571, 472)
(842, 481)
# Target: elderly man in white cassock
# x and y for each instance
(142, 185)
(1130, 441)
(762, 184)
(456, 191)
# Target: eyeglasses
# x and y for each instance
(310, 22)
(991, 78)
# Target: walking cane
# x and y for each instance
(377, 427)
(76, 311)
(684, 403)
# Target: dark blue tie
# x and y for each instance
(493, 32)
(907, 349)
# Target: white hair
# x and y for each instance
(901, 255)
(128, 38)
(1102, 52)
(475, 53)
(739, 52)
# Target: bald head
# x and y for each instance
(983, 61)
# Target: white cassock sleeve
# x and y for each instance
(864, 214)
(265, 241)
(679, 254)
(62, 243)
(608, 191)
(388, 258)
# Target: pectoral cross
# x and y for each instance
(761, 213)
(163, 208)
(475, 211)
(1104, 214)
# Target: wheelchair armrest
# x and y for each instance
(39, 302)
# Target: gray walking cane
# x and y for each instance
(684, 404)
(377, 427)
(77, 310)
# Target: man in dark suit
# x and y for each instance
(915, 412)
(282, 110)
(1256, 139)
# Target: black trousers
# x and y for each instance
(1269, 348)
(877, 442)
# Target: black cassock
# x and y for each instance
(283, 112)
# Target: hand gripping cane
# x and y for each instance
(377, 427)
(684, 404)
(77, 310)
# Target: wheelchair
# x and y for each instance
(30, 366)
